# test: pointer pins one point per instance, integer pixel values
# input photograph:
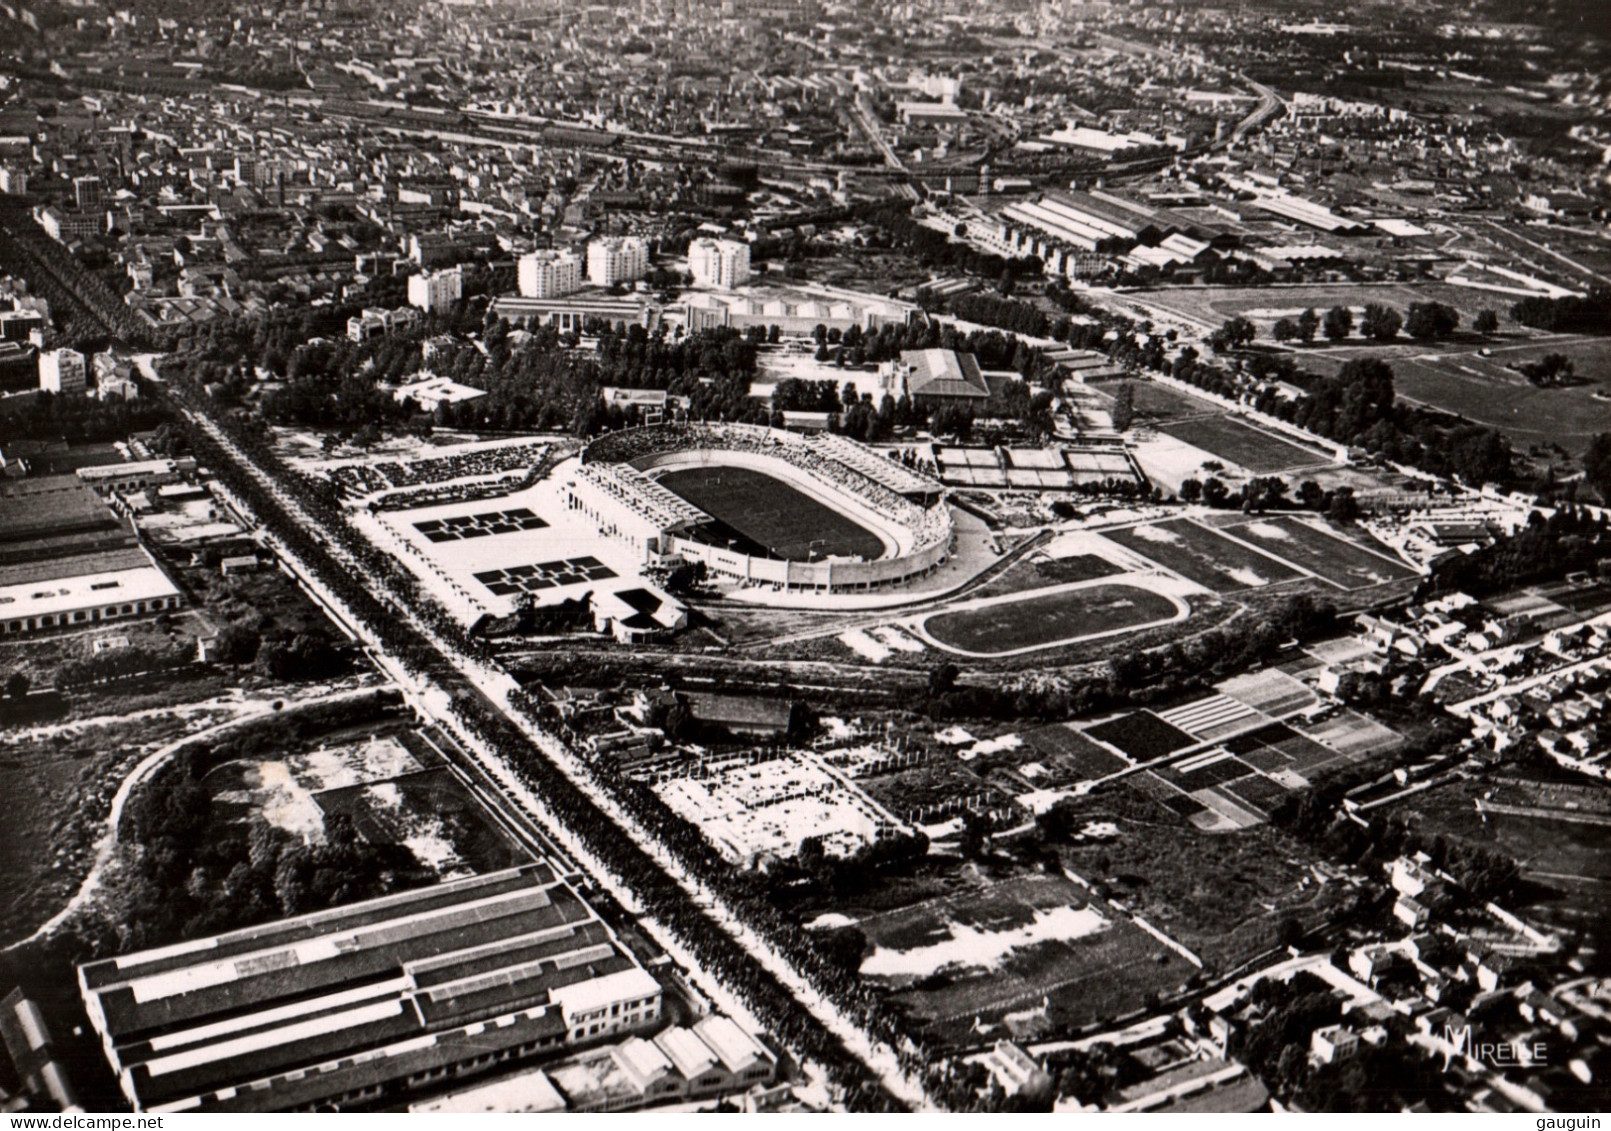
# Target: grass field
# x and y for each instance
(1198, 554)
(766, 516)
(1459, 380)
(1264, 305)
(1038, 622)
(1236, 442)
(1339, 561)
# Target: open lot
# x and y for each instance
(1335, 559)
(767, 516)
(433, 815)
(1222, 894)
(1027, 947)
(1238, 442)
(1077, 757)
(1199, 554)
(1053, 618)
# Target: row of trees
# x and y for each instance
(659, 894)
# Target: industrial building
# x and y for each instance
(370, 1002)
(66, 559)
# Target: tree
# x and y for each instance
(1285, 330)
(236, 644)
(1338, 324)
(1597, 465)
(1215, 493)
(1308, 324)
(1430, 320)
(1234, 334)
(1124, 407)
(1487, 322)
(942, 679)
(1344, 508)
(16, 684)
(1311, 495)
(1191, 491)
(1380, 323)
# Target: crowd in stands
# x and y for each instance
(367, 479)
(898, 478)
(930, 525)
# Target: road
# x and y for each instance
(499, 688)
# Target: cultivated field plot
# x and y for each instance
(1335, 560)
(769, 517)
(1271, 691)
(1278, 748)
(1141, 736)
(1585, 600)
(1257, 793)
(1213, 717)
(433, 815)
(1203, 771)
(1355, 736)
(1053, 618)
(1235, 441)
(1009, 948)
(1200, 555)
(1062, 749)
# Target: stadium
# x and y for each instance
(799, 513)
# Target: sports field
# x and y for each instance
(1337, 560)
(768, 517)
(1198, 554)
(1237, 442)
(1037, 622)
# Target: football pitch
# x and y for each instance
(767, 517)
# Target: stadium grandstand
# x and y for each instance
(359, 1005)
(903, 508)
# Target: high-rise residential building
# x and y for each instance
(87, 192)
(550, 274)
(62, 371)
(723, 264)
(436, 290)
(617, 259)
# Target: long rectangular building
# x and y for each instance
(378, 999)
